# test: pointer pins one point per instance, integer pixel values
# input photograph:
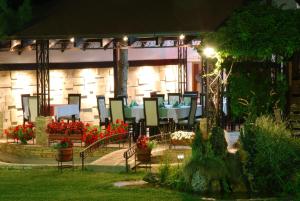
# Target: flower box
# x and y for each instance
(53, 137)
(182, 138)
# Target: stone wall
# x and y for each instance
(88, 82)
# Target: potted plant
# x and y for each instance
(23, 132)
(144, 147)
(64, 150)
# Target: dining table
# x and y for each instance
(168, 111)
(64, 110)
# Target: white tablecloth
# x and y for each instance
(168, 112)
(180, 112)
(66, 110)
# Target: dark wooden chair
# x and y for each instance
(173, 98)
(25, 107)
(189, 122)
(125, 98)
(102, 112)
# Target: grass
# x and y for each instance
(49, 184)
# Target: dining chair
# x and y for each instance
(187, 98)
(116, 107)
(33, 108)
(173, 98)
(25, 107)
(153, 94)
(102, 112)
(191, 92)
(74, 99)
(124, 99)
(151, 114)
(160, 97)
(188, 123)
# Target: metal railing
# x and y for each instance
(131, 151)
(102, 143)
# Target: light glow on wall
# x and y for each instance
(148, 77)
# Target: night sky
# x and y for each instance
(16, 3)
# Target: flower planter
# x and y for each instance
(184, 142)
(52, 137)
(143, 155)
(64, 154)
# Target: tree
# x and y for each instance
(14, 17)
(258, 32)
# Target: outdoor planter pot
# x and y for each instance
(143, 155)
(64, 154)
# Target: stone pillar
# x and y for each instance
(123, 72)
(40, 129)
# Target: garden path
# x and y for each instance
(116, 158)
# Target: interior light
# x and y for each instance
(72, 39)
(125, 38)
(182, 37)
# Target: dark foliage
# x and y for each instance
(270, 156)
(218, 142)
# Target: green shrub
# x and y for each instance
(199, 182)
(176, 179)
(270, 156)
(218, 142)
(204, 166)
(164, 172)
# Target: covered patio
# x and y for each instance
(67, 51)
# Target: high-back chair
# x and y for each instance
(160, 99)
(25, 107)
(173, 98)
(116, 107)
(103, 114)
(74, 99)
(153, 94)
(189, 122)
(151, 114)
(187, 98)
(124, 99)
(33, 108)
(191, 92)
(188, 94)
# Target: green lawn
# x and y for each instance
(49, 184)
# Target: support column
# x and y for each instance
(123, 71)
(182, 67)
(116, 53)
(42, 77)
(121, 64)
